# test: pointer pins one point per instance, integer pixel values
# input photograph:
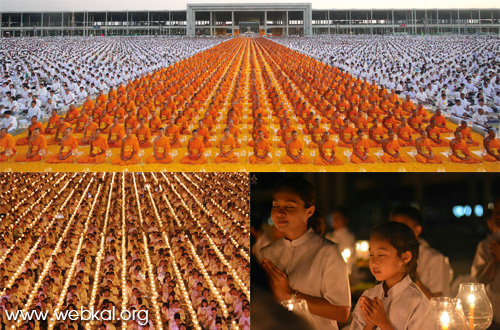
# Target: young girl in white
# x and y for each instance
(396, 303)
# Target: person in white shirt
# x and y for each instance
(68, 99)
(11, 106)
(480, 119)
(442, 102)
(397, 302)
(434, 270)
(458, 111)
(421, 96)
(9, 122)
(341, 234)
(486, 265)
(302, 264)
(81, 95)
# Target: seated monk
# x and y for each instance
(286, 133)
(335, 122)
(294, 150)
(375, 135)
(424, 150)
(391, 150)
(441, 122)
(261, 150)
(434, 134)
(34, 125)
(422, 113)
(346, 134)
(389, 122)
(309, 121)
(37, 146)
(52, 123)
(415, 122)
(154, 123)
(361, 122)
(182, 123)
(129, 152)
(173, 134)
(131, 122)
(466, 132)
(404, 132)
(6, 145)
(88, 131)
(81, 121)
(161, 149)
(235, 132)
(60, 128)
(104, 122)
(460, 151)
(72, 115)
(256, 127)
(98, 148)
(316, 134)
(195, 149)
(491, 145)
(204, 134)
(360, 151)
(143, 134)
(327, 152)
(116, 133)
(69, 145)
(226, 148)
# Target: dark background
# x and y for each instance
(369, 197)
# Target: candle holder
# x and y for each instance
(476, 305)
(299, 307)
(444, 314)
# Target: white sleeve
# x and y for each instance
(358, 321)
(335, 284)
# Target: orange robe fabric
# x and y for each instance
(24, 140)
(494, 147)
(162, 148)
(196, 146)
(294, 148)
(378, 134)
(101, 144)
(328, 148)
(90, 131)
(462, 149)
(348, 135)
(68, 146)
(467, 134)
(64, 125)
(393, 146)
(227, 145)
(261, 149)
(173, 133)
(51, 125)
(434, 133)
(426, 148)
(440, 120)
(116, 133)
(129, 146)
(144, 136)
(37, 145)
(7, 142)
(360, 147)
(406, 132)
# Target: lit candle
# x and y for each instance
(472, 301)
(445, 321)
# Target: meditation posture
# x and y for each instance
(195, 150)
(98, 148)
(129, 152)
(69, 146)
(161, 149)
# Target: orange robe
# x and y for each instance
(287, 134)
(406, 132)
(203, 133)
(116, 133)
(144, 136)
(68, 146)
(37, 145)
(24, 140)
(196, 146)
(393, 146)
(90, 131)
(51, 125)
(64, 125)
(348, 135)
(7, 142)
(154, 125)
(462, 149)
(80, 123)
(261, 149)
(162, 148)
(129, 146)
(328, 148)
(467, 134)
(434, 133)
(227, 145)
(101, 144)
(494, 147)
(72, 116)
(317, 133)
(105, 123)
(391, 124)
(440, 120)
(426, 148)
(294, 148)
(360, 148)
(173, 133)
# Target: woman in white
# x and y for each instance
(302, 264)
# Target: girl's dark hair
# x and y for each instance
(307, 193)
(403, 239)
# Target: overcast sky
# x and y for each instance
(79, 5)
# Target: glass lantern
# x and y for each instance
(476, 305)
(299, 307)
(444, 314)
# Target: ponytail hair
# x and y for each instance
(403, 239)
